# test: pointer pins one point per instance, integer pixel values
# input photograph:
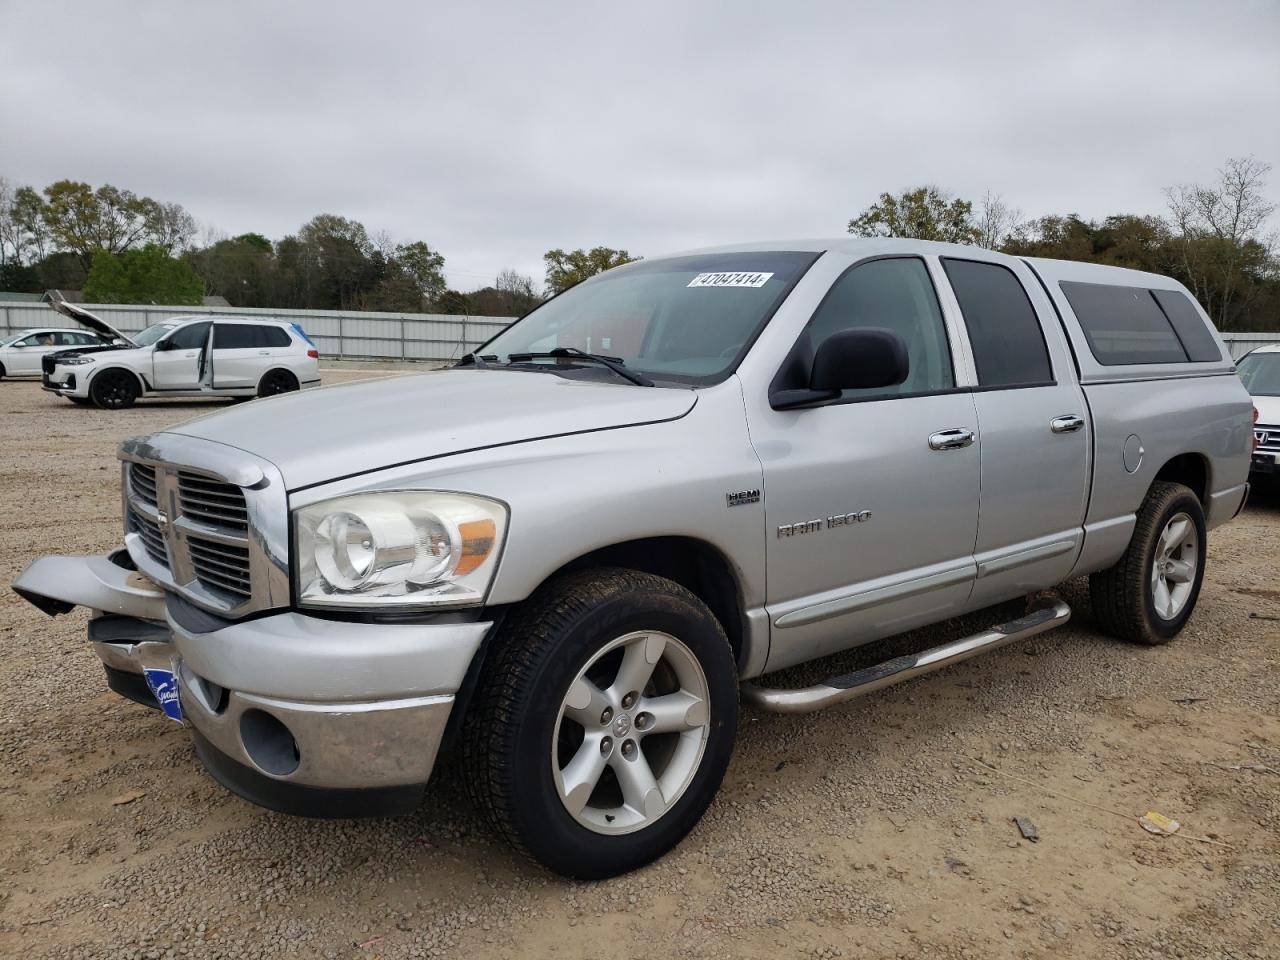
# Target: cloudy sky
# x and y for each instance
(496, 131)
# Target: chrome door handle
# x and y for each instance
(264, 353)
(1068, 424)
(952, 439)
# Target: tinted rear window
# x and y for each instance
(1123, 324)
(243, 336)
(1188, 325)
(1008, 344)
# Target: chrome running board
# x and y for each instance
(861, 682)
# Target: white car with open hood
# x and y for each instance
(20, 352)
(182, 357)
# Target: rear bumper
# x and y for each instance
(309, 716)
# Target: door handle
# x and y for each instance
(952, 439)
(1068, 424)
(189, 356)
(264, 353)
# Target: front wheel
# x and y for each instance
(1150, 593)
(114, 390)
(604, 721)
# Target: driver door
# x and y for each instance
(871, 499)
(178, 361)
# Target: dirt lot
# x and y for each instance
(877, 829)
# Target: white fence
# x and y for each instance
(379, 336)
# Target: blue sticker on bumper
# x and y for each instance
(164, 687)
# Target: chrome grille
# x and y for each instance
(143, 480)
(207, 523)
(212, 502)
(152, 538)
(1268, 438)
(221, 566)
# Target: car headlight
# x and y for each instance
(74, 361)
(398, 548)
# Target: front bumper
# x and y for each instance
(310, 716)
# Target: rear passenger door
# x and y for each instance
(243, 352)
(1035, 430)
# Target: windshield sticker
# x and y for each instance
(730, 280)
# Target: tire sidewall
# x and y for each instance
(278, 374)
(1184, 502)
(551, 834)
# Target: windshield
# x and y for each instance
(152, 334)
(1260, 373)
(9, 341)
(687, 319)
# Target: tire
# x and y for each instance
(275, 382)
(585, 632)
(3, 372)
(1151, 592)
(114, 390)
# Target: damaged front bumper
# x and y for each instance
(301, 714)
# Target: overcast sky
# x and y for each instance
(497, 131)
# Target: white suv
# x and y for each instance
(183, 357)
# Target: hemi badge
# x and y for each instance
(741, 497)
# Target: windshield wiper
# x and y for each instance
(478, 360)
(613, 363)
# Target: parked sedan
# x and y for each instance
(20, 353)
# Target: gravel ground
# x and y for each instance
(877, 829)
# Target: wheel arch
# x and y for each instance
(1189, 469)
(271, 371)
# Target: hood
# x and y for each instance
(1268, 410)
(341, 431)
(86, 319)
(81, 351)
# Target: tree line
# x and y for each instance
(1212, 237)
(118, 247)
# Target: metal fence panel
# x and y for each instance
(1241, 343)
(410, 336)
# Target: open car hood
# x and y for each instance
(86, 319)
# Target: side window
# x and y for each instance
(67, 339)
(1004, 331)
(1123, 324)
(894, 294)
(190, 337)
(31, 341)
(233, 336)
(1188, 325)
(274, 337)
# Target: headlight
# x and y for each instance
(74, 361)
(398, 549)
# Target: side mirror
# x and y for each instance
(860, 359)
(19, 346)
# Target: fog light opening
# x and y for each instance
(268, 743)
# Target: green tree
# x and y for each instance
(423, 266)
(924, 213)
(564, 269)
(148, 275)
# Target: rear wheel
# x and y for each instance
(604, 721)
(1149, 595)
(114, 390)
(276, 382)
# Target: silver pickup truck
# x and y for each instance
(571, 555)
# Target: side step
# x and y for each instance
(861, 682)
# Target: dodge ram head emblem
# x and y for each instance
(162, 520)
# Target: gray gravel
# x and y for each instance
(877, 829)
